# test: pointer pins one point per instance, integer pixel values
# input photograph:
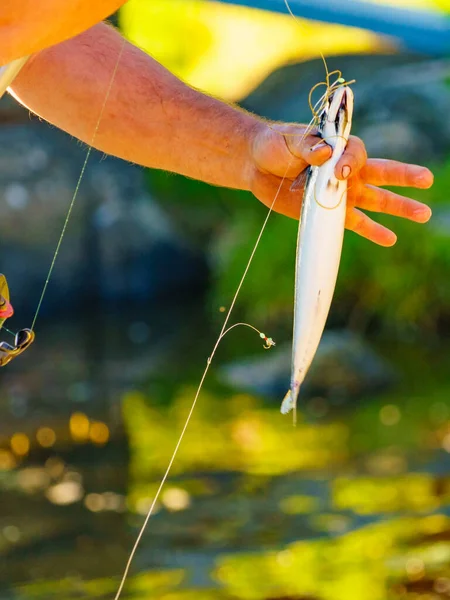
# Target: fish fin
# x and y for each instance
(288, 403)
(301, 181)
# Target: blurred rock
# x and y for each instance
(344, 366)
(119, 244)
(400, 101)
(440, 223)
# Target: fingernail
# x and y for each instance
(423, 213)
(320, 146)
(392, 240)
(424, 179)
(346, 171)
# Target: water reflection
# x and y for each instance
(355, 504)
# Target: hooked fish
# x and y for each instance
(319, 243)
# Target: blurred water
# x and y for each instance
(353, 503)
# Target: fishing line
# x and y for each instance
(269, 341)
(222, 333)
(224, 330)
(8, 331)
(78, 184)
(75, 193)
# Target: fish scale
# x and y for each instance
(319, 243)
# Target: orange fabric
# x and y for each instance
(28, 26)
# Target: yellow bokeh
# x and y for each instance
(20, 444)
(7, 460)
(99, 433)
(79, 427)
(46, 437)
(229, 50)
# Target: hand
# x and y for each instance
(280, 152)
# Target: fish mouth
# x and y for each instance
(343, 103)
(340, 108)
(346, 102)
(338, 101)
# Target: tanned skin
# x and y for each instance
(153, 119)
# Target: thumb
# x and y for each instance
(305, 144)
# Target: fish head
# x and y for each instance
(337, 115)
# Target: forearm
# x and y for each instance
(28, 26)
(151, 118)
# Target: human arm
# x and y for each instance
(150, 118)
(153, 119)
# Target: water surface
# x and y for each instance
(353, 503)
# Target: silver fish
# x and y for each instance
(319, 244)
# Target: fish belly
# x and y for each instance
(319, 247)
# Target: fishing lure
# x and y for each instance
(334, 137)
(6, 309)
(320, 238)
(23, 338)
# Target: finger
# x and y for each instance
(311, 148)
(379, 171)
(285, 150)
(271, 154)
(275, 193)
(352, 160)
(383, 201)
(364, 226)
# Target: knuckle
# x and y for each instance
(358, 225)
(407, 209)
(407, 174)
(383, 201)
(357, 195)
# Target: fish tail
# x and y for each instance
(290, 403)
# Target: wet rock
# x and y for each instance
(119, 244)
(344, 366)
(440, 223)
